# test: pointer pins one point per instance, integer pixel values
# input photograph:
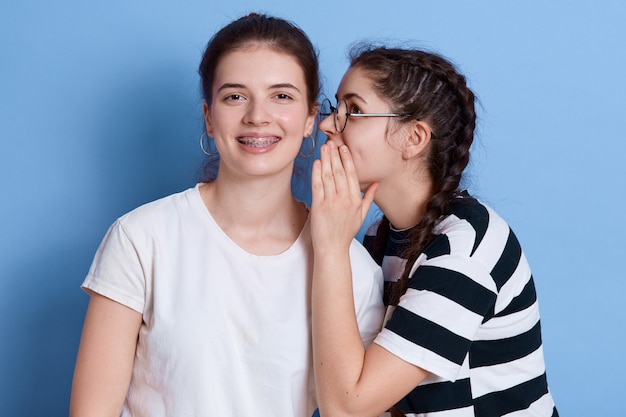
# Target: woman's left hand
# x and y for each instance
(338, 209)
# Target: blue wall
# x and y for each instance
(100, 112)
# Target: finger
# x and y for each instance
(328, 181)
(339, 173)
(317, 187)
(368, 199)
(349, 170)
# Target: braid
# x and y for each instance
(377, 251)
(427, 87)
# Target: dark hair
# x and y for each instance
(424, 86)
(258, 29)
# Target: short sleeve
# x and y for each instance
(437, 318)
(116, 271)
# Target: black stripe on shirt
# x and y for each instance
(475, 214)
(495, 352)
(507, 264)
(441, 396)
(525, 299)
(429, 335)
(439, 246)
(454, 286)
(519, 397)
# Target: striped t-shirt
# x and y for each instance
(469, 317)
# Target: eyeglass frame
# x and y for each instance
(335, 110)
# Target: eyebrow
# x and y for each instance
(230, 85)
(285, 85)
(348, 96)
(271, 87)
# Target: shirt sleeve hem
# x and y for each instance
(417, 355)
(113, 293)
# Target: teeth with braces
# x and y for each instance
(258, 142)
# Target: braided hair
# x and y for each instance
(424, 86)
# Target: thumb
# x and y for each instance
(368, 199)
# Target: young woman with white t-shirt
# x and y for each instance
(200, 301)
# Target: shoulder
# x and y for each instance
(367, 286)
(469, 224)
(366, 273)
(474, 212)
(360, 257)
(158, 212)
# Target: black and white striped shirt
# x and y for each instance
(470, 317)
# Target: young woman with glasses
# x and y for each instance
(462, 334)
(200, 301)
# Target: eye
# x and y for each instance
(283, 96)
(354, 109)
(233, 97)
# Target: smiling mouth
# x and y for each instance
(258, 142)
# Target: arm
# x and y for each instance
(105, 358)
(350, 380)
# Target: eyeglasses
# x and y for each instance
(342, 114)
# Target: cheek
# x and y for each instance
(361, 142)
(221, 121)
(294, 123)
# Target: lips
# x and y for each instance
(258, 142)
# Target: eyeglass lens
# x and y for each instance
(341, 116)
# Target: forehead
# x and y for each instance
(357, 86)
(258, 65)
(356, 82)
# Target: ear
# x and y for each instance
(310, 120)
(207, 119)
(418, 140)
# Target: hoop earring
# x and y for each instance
(312, 151)
(208, 142)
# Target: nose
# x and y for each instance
(328, 125)
(257, 113)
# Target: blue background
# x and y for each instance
(100, 112)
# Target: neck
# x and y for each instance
(404, 205)
(260, 216)
(249, 202)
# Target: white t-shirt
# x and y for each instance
(224, 332)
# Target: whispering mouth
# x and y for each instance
(258, 142)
